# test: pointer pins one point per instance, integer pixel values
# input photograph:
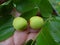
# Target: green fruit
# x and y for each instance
(36, 22)
(20, 23)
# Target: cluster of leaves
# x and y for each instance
(6, 28)
(50, 32)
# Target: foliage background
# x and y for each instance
(49, 10)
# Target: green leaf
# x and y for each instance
(25, 5)
(56, 5)
(6, 7)
(45, 8)
(6, 28)
(29, 14)
(55, 28)
(50, 32)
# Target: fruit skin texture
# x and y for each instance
(36, 22)
(19, 23)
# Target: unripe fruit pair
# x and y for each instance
(20, 23)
